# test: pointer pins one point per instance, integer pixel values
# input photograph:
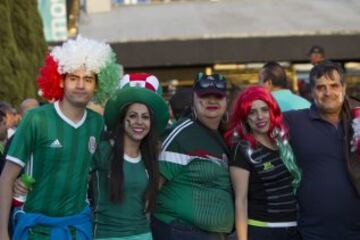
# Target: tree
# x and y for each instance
(22, 49)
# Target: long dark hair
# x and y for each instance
(149, 149)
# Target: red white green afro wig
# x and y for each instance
(94, 56)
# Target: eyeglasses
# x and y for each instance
(215, 80)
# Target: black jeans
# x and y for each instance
(265, 233)
(181, 231)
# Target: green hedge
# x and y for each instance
(22, 49)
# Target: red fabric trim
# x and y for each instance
(138, 76)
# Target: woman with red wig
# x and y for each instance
(262, 168)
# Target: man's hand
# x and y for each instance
(20, 188)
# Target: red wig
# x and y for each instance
(241, 107)
(49, 80)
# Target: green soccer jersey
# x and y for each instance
(127, 218)
(198, 190)
(57, 153)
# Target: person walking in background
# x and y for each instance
(26, 105)
(55, 143)
(263, 169)
(126, 174)
(329, 193)
(195, 200)
(273, 77)
(10, 118)
(316, 54)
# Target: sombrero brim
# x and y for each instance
(126, 96)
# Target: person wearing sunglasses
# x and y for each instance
(195, 200)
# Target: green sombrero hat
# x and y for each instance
(138, 88)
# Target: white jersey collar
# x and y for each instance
(68, 120)
(132, 159)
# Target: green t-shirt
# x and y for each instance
(57, 153)
(198, 190)
(124, 218)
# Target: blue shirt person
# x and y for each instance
(273, 77)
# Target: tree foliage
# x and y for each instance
(22, 49)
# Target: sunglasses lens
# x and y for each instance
(220, 84)
(215, 80)
(205, 83)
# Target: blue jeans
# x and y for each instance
(181, 231)
(262, 233)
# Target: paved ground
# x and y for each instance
(227, 18)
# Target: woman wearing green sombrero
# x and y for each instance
(126, 174)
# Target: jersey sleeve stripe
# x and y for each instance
(184, 159)
(174, 157)
(15, 160)
(29, 166)
(174, 133)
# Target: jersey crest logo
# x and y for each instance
(267, 166)
(92, 144)
(56, 144)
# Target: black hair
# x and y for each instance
(180, 101)
(2, 115)
(5, 107)
(149, 149)
(316, 49)
(274, 72)
(326, 68)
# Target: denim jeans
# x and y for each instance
(262, 233)
(181, 231)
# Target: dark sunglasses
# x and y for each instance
(215, 80)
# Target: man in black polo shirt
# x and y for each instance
(329, 198)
